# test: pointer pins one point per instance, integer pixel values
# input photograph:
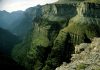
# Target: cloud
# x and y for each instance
(13, 5)
(0, 0)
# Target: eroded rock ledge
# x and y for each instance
(86, 57)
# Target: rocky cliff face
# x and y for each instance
(54, 12)
(86, 57)
(55, 32)
(75, 1)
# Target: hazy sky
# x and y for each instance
(14, 5)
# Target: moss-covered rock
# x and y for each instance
(80, 29)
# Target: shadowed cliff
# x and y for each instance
(54, 34)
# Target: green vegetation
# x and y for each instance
(52, 42)
(37, 45)
(81, 66)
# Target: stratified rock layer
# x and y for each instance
(55, 32)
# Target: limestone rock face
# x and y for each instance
(53, 12)
(54, 34)
(71, 1)
(88, 58)
(88, 9)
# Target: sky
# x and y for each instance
(14, 5)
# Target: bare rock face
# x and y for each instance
(71, 1)
(88, 9)
(87, 59)
(55, 33)
(53, 12)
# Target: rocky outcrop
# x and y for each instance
(54, 34)
(75, 1)
(45, 29)
(62, 12)
(80, 29)
(86, 57)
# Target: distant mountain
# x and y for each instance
(10, 20)
(7, 41)
(19, 22)
(7, 18)
(21, 28)
(3, 15)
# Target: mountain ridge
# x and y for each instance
(55, 33)
(19, 22)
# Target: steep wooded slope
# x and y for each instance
(7, 41)
(55, 32)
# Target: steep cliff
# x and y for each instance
(42, 36)
(75, 1)
(86, 57)
(80, 29)
(55, 32)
